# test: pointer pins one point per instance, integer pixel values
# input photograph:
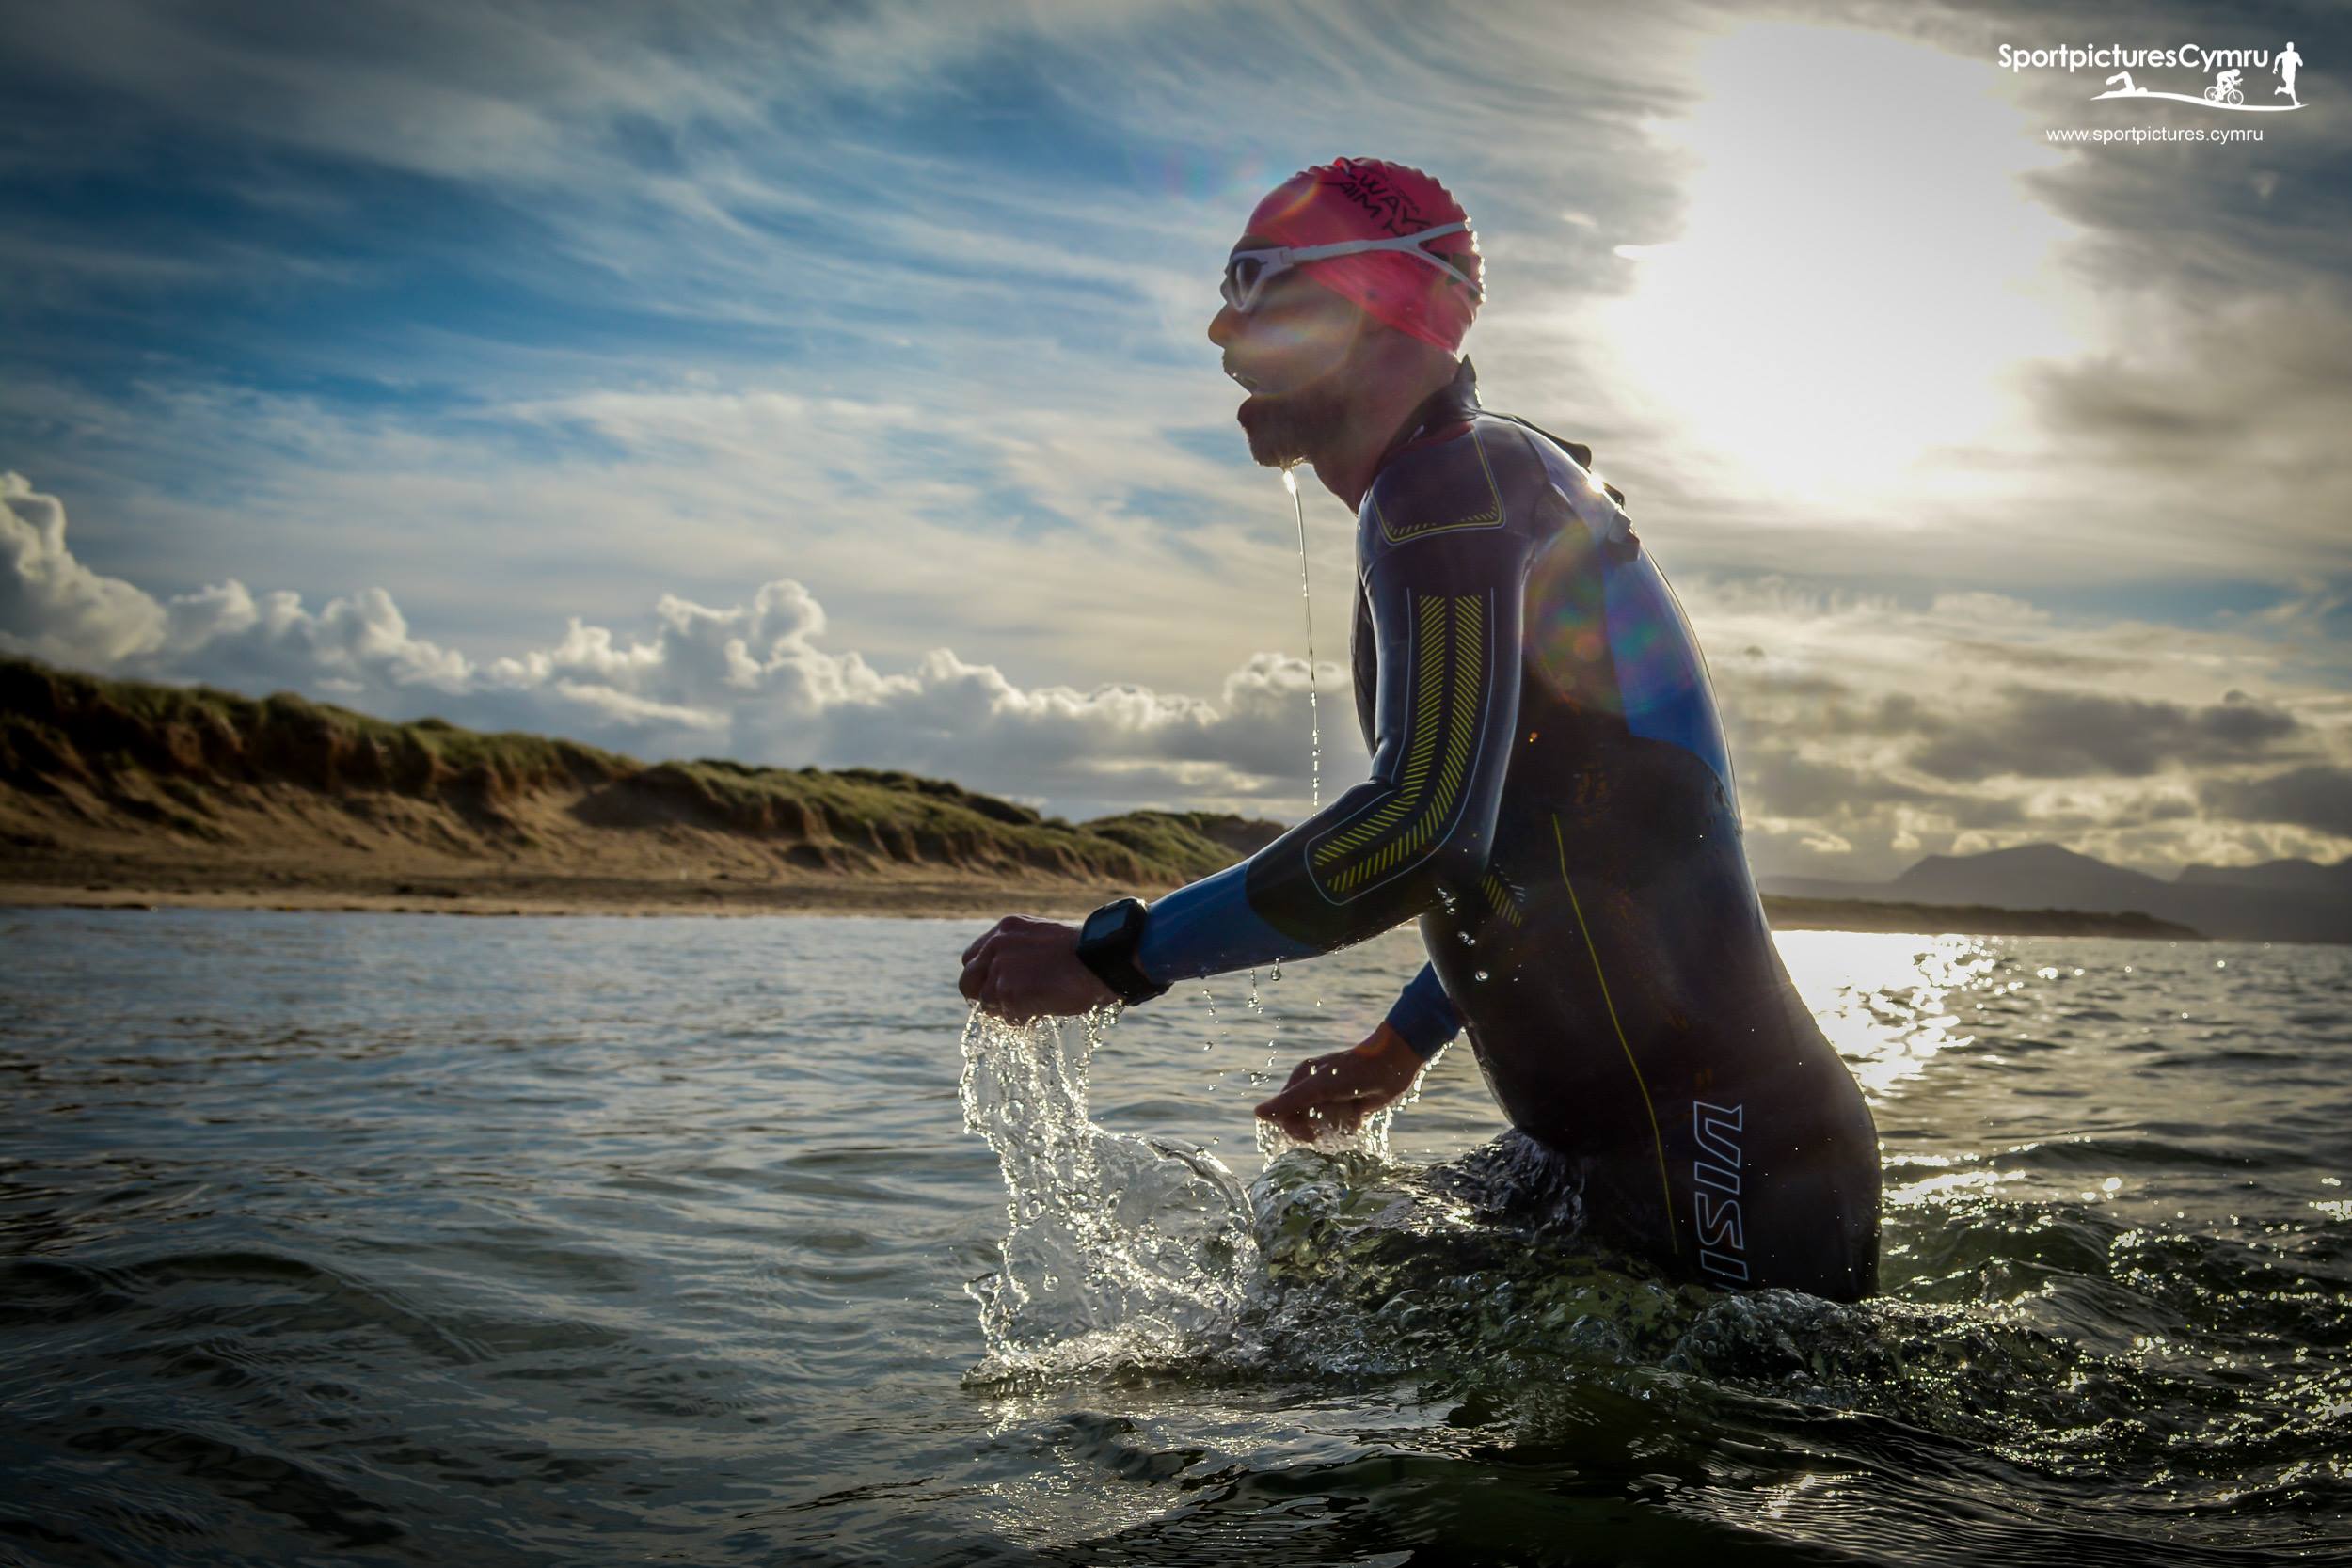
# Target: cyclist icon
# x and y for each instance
(2225, 89)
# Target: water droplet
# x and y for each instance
(1482, 974)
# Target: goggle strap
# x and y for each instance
(1350, 247)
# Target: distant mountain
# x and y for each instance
(2289, 900)
(2057, 878)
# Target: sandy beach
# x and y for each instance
(96, 884)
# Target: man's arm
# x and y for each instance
(1335, 1092)
(1423, 1017)
(1446, 605)
(1209, 927)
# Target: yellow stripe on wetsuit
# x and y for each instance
(1657, 1139)
(1500, 897)
(1448, 697)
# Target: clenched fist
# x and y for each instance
(1024, 968)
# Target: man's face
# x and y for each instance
(1292, 354)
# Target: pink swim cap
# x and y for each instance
(1370, 199)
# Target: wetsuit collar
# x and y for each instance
(1450, 404)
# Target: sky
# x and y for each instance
(828, 384)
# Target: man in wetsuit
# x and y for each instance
(1550, 794)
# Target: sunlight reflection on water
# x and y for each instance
(1883, 999)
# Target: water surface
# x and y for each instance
(415, 1238)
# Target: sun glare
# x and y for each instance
(1858, 267)
(1885, 1000)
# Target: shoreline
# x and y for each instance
(977, 898)
(549, 896)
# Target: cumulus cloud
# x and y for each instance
(752, 681)
(53, 605)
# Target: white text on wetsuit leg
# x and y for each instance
(1722, 1236)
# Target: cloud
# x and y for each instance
(2037, 733)
(2317, 797)
(1867, 730)
(752, 681)
(2238, 396)
(539, 319)
(592, 251)
(53, 605)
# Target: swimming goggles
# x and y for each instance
(1248, 272)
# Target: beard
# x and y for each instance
(1297, 425)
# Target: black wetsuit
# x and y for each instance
(1552, 797)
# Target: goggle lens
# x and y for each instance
(1244, 275)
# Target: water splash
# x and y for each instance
(1476, 1280)
(1122, 1249)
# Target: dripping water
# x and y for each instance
(1314, 709)
(1314, 747)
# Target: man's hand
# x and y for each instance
(1024, 969)
(1334, 1093)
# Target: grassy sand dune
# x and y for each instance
(123, 792)
(126, 789)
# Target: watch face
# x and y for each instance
(1102, 924)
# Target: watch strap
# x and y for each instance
(1111, 955)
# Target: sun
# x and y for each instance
(1860, 267)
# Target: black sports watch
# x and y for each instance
(1106, 945)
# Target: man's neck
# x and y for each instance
(1394, 405)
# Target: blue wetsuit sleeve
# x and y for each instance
(1424, 1014)
(1208, 927)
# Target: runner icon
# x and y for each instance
(2288, 62)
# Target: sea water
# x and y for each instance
(419, 1238)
